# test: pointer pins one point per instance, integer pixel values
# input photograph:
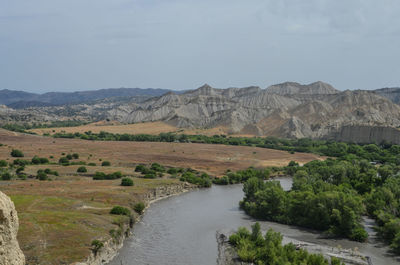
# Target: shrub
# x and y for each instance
(119, 210)
(126, 182)
(35, 160)
(6, 176)
(99, 176)
(22, 176)
(19, 169)
(39, 160)
(81, 170)
(3, 163)
(157, 167)
(172, 171)
(75, 155)
(92, 164)
(44, 160)
(140, 168)
(150, 176)
(42, 176)
(63, 160)
(17, 153)
(96, 246)
(69, 156)
(359, 234)
(21, 162)
(115, 175)
(139, 207)
(105, 164)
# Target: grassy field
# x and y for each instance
(60, 217)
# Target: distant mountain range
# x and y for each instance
(291, 110)
(21, 99)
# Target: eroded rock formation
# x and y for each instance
(10, 253)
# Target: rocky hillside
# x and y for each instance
(290, 110)
(392, 93)
(10, 253)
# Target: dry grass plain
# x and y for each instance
(59, 218)
(211, 158)
(153, 128)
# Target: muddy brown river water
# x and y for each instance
(181, 230)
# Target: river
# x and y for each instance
(181, 230)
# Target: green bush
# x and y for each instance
(150, 176)
(96, 246)
(119, 210)
(3, 163)
(44, 160)
(75, 155)
(49, 171)
(105, 164)
(21, 162)
(92, 164)
(157, 167)
(140, 168)
(41, 176)
(63, 160)
(81, 170)
(69, 157)
(6, 176)
(19, 169)
(139, 207)
(126, 182)
(17, 153)
(39, 160)
(99, 176)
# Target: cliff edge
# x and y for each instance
(10, 253)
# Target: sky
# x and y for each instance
(69, 45)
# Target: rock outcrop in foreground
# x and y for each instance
(10, 253)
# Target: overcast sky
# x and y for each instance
(65, 45)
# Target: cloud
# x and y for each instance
(182, 43)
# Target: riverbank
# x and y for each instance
(227, 254)
(191, 220)
(59, 219)
(112, 245)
